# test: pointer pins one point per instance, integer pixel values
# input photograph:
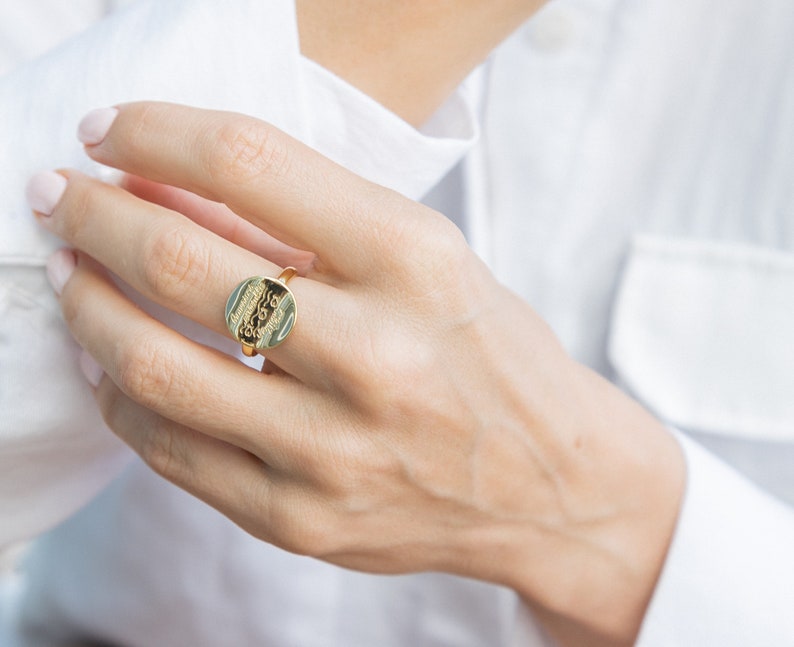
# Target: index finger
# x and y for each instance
(279, 184)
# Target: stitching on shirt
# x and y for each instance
(706, 252)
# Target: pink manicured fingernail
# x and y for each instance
(59, 268)
(93, 372)
(95, 125)
(44, 190)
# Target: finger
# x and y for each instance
(279, 184)
(185, 382)
(271, 368)
(268, 503)
(224, 476)
(181, 266)
(219, 219)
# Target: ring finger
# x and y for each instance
(176, 263)
(269, 416)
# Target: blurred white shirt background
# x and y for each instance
(29, 28)
(632, 181)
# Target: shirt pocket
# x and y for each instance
(703, 335)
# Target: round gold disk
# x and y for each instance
(260, 313)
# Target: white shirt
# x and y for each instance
(632, 182)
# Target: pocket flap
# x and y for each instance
(703, 334)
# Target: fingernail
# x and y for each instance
(59, 268)
(44, 190)
(93, 372)
(95, 125)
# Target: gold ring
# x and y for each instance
(261, 312)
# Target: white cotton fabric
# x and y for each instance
(716, 321)
(30, 29)
(624, 147)
(728, 579)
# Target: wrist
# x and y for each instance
(589, 575)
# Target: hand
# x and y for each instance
(419, 416)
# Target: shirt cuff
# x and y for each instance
(728, 576)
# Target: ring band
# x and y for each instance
(261, 312)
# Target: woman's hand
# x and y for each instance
(418, 417)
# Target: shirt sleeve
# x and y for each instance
(728, 576)
(241, 55)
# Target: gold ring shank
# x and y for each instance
(286, 274)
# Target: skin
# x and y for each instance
(408, 55)
(419, 417)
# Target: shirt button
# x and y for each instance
(553, 29)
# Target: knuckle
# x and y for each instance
(420, 233)
(158, 441)
(360, 472)
(140, 119)
(446, 241)
(113, 406)
(383, 355)
(176, 262)
(143, 119)
(84, 199)
(248, 149)
(145, 371)
(307, 540)
(441, 248)
(300, 531)
(395, 233)
(158, 449)
(70, 308)
(406, 389)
